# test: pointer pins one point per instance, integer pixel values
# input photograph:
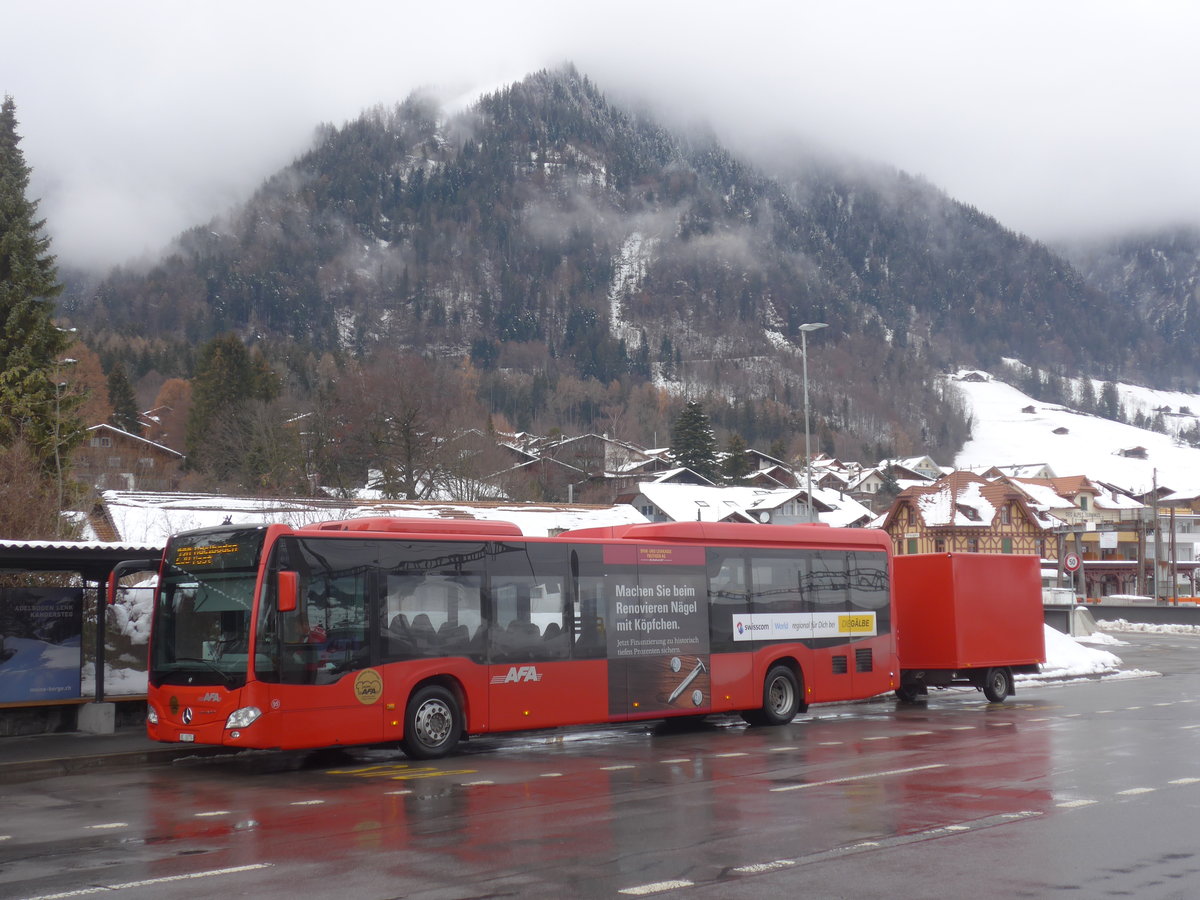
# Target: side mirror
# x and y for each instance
(122, 569)
(288, 591)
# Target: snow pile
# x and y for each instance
(1067, 658)
(1120, 625)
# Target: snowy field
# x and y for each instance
(1003, 434)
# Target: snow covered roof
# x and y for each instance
(1022, 470)
(133, 437)
(967, 500)
(690, 503)
(152, 518)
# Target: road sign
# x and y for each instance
(1071, 562)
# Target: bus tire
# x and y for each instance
(432, 723)
(997, 684)
(781, 696)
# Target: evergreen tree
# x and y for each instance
(220, 426)
(35, 407)
(736, 465)
(123, 400)
(693, 443)
(1087, 395)
(1110, 402)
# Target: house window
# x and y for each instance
(1006, 545)
(1083, 501)
(114, 462)
(146, 462)
(1006, 514)
(939, 545)
(912, 545)
(101, 442)
(972, 545)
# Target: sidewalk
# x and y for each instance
(29, 757)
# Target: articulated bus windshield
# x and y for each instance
(201, 629)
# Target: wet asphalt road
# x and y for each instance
(1089, 789)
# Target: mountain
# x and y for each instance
(1154, 274)
(553, 237)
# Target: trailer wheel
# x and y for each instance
(997, 685)
(908, 694)
(432, 723)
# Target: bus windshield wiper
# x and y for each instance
(189, 659)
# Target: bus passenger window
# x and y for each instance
(432, 615)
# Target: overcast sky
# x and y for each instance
(1058, 118)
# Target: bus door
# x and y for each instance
(326, 690)
(867, 620)
(659, 659)
(532, 682)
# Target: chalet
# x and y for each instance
(964, 512)
(911, 467)
(1075, 500)
(112, 459)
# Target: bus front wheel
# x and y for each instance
(432, 723)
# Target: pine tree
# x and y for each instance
(35, 407)
(737, 464)
(1110, 402)
(229, 378)
(693, 443)
(123, 400)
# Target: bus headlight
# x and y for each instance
(240, 718)
(151, 714)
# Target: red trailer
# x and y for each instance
(967, 618)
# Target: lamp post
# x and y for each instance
(804, 330)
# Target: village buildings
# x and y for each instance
(1124, 545)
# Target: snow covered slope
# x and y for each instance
(1004, 434)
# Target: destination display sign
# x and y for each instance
(206, 552)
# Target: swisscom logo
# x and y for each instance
(742, 629)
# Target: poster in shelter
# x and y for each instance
(40, 644)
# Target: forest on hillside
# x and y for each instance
(576, 266)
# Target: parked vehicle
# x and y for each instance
(427, 631)
(967, 619)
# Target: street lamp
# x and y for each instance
(804, 330)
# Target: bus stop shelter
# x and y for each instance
(93, 562)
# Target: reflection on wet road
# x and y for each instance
(1072, 785)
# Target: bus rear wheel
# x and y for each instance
(781, 699)
(432, 723)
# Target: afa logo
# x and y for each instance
(368, 686)
(518, 673)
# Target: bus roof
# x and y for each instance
(649, 532)
(736, 533)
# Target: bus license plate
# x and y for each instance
(187, 738)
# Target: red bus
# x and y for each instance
(424, 632)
